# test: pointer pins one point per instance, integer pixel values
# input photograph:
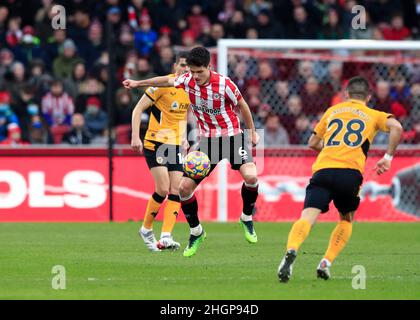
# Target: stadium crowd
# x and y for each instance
(53, 83)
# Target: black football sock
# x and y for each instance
(249, 197)
(190, 209)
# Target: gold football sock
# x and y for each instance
(300, 230)
(338, 240)
(171, 212)
(152, 210)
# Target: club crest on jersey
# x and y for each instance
(174, 105)
(216, 96)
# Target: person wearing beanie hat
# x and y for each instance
(14, 136)
(63, 65)
(96, 119)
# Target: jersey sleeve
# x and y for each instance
(154, 93)
(381, 119)
(232, 93)
(321, 127)
(182, 81)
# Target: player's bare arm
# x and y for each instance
(395, 131)
(163, 81)
(144, 103)
(316, 143)
(249, 122)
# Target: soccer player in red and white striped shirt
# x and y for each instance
(214, 99)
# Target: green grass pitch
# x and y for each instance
(109, 261)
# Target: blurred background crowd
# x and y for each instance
(53, 83)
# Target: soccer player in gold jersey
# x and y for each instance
(342, 136)
(164, 143)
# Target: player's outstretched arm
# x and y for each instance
(249, 122)
(144, 103)
(395, 131)
(163, 81)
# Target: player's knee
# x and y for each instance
(185, 189)
(163, 191)
(251, 179)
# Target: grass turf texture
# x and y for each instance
(109, 261)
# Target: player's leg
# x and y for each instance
(170, 213)
(347, 184)
(190, 208)
(249, 193)
(317, 201)
(338, 240)
(161, 180)
(297, 235)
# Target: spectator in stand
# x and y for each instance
(332, 29)
(145, 38)
(14, 33)
(216, 32)
(268, 28)
(304, 72)
(294, 105)
(124, 109)
(18, 80)
(316, 100)
(6, 62)
(78, 133)
(301, 27)
(28, 47)
(14, 137)
(78, 30)
(42, 21)
(52, 47)
(164, 62)
(302, 130)
(381, 99)
(95, 118)
(64, 64)
(95, 46)
(38, 131)
(282, 95)
(125, 45)
(400, 91)
(240, 75)
(25, 107)
(334, 77)
(7, 116)
(57, 106)
(262, 111)
(251, 33)
(266, 78)
(256, 6)
(78, 76)
(91, 87)
(397, 30)
(4, 14)
(197, 21)
(236, 26)
(143, 72)
(39, 79)
(275, 134)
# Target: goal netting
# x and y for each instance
(288, 85)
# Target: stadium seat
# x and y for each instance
(58, 132)
(123, 134)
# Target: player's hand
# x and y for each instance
(382, 166)
(130, 84)
(136, 144)
(255, 138)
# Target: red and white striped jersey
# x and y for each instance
(213, 104)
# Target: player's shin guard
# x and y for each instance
(297, 235)
(190, 208)
(152, 210)
(339, 237)
(249, 197)
(170, 213)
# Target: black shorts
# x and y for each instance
(234, 148)
(164, 155)
(339, 185)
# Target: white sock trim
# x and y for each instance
(186, 198)
(245, 217)
(145, 230)
(251, 185)
(196, 231)
(165, 235)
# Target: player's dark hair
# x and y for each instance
(198, 57)
(181, 55)
(358, 88)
